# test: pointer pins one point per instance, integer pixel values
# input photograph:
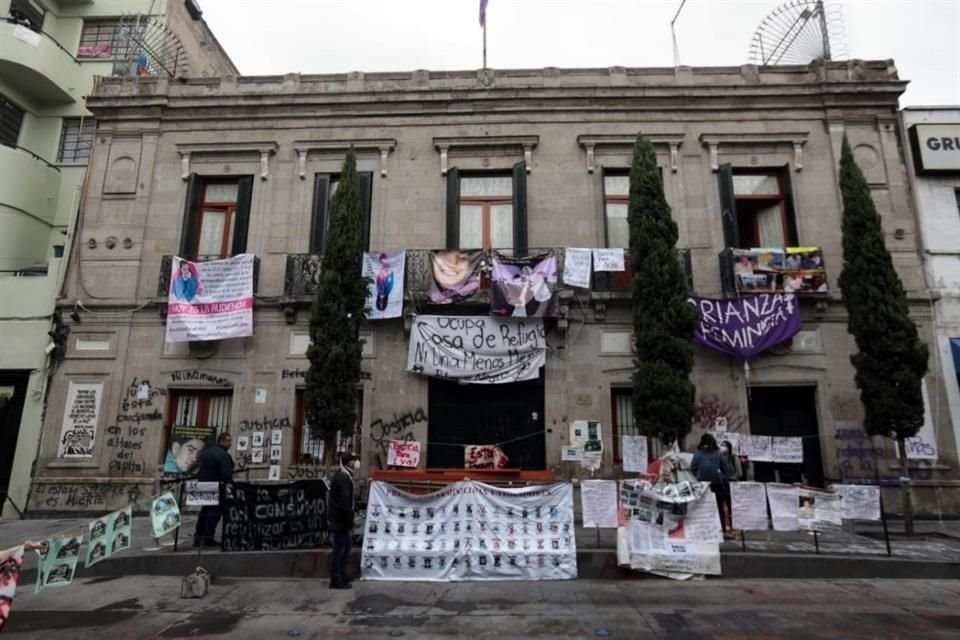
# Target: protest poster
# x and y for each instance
(256, 456)
(210, 300)
(702, 522)
(403, 453)
(202, 494)
(477, 349)
(598, 503)
(608, 260)
(273, 473)
(788, 450)
(276, 437)
(276, 453)
(571, 454)
(456, 275)
(164, 515)
(484, 456)
(470, 531)
(524, 287)
(273, 517)
(187, 442)
(98, 540)
(576, 267)
(386, 271)
(783, 506)
(258, 439)
(634, 454)
(243, 443)
(804, 271)
(80, 416)
(745, 327)
(120, 531)
(818, 510)
(858, 502)
(11, 562)
(748, 505)
(732, 437)
(58, 562)
(757, 448)
(650, 550)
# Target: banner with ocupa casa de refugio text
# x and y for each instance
(477, 349)
(210, 300)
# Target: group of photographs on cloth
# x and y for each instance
(790, 270)
(469, 536)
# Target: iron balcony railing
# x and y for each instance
(166, 264)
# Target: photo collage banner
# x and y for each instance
(779, 270)
(470, 531)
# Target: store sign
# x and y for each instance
(936, 147)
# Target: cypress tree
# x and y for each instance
(337, 313)
(891, 360)
(663, 320)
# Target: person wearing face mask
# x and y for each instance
(340, 518)
(734, 474)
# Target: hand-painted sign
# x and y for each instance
(747, 326)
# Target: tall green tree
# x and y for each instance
(663, 320)
(337, 313)
(891, 360)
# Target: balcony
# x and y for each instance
(620, 281)
(30, 292)
(29, 184)
(166, 264)
(797, 270)
(38, 66)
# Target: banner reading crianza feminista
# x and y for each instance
(210, 300)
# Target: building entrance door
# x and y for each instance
(13, 390)
(787, 411)
(462, 414)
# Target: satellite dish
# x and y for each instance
(799, 32)
(143, 46)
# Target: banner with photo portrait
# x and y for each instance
(470, 531)
(210, 300)
(187, 442)
(58, 562)
(525, 287)
(108, 535)
(455, 275)
(386, 270)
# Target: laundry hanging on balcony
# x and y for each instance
(385, 295)
(525, 287)
(456, 275)
(210, 300)
(747, 326)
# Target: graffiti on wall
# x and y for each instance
(193, 375)
(710, 409)
(140, 410)
(100, 496)
(859, 458)
(265, 424)
(400, 428)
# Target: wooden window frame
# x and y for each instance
(229, 209)
(765, 199)
(203, 411)
(486, 203)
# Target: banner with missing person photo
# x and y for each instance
(470, 531)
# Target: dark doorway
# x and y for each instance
(462, 414)
(787, 411)
(13, 391)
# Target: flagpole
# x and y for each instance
(484, 44)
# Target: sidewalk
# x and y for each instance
(933, 553)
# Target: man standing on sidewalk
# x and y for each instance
(340, 518)
(216, 465)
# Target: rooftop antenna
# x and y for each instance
(673, 32)
(799, 32)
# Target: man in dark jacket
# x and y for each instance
(216, 465)
(340, 518)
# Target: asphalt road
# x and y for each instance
(150, 607)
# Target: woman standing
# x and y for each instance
(708, 465)
(734, 474)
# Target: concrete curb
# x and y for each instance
(596, 564)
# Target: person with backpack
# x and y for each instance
(708, 465)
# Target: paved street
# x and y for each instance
(150, 607)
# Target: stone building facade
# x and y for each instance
(748, 158)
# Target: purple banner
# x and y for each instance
(746, 326)
(524, 287)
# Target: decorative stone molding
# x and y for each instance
(713, 141)
(446, 145)
(593, 143)
(263, 149)
(303, 149)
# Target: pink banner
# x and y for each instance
(210, 300)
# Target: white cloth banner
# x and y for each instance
(789, 450)
(202, 494)
(478, 349)
(748, 503)
(470, 531)
(783, 506)
(386, 271)
(818, 510)
(608, 260)
(598, 502)
(757, 448)
(210, 300)
(634, 454)
(651, 550)
(858, 501)
(576, 267)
